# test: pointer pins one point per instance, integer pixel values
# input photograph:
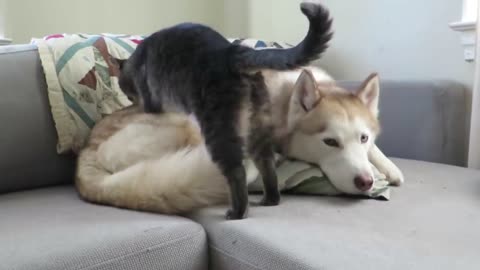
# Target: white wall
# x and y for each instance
(37, 18)
(399, 39)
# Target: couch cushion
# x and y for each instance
(423, 120)
(28, 156)
(53, 229)
(432, 222)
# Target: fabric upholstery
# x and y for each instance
(431, 222)
(423, 120)
(28, 157)
(52, 229)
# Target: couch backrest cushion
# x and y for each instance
(423, 120)
(28, 157)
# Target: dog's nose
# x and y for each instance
(363, 182)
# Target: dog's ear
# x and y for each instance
(369, 92)
(304, 98)
(305, 92)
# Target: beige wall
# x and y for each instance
(236, 18)
(400, 39)
(3, 9)
(36, 18)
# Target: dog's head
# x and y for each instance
(335, 129)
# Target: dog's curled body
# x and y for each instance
(192, 69)
(148, 162)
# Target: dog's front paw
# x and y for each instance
(394, 175)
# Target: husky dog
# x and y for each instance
(161, 163)
(191, 69)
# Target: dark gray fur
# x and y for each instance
(191, 68)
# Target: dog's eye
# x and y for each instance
(331, 142)
(364, 138)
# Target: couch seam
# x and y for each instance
(152, 248)
(234, 258)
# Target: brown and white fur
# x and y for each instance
(160, 163)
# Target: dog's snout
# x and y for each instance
(363, 182)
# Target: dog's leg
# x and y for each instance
(386, 166)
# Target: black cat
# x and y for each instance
(192, 69)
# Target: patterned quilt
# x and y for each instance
(82, 78)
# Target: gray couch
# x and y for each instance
(432, 222)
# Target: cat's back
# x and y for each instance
(185, 39)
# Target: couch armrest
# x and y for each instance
(423, 120)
